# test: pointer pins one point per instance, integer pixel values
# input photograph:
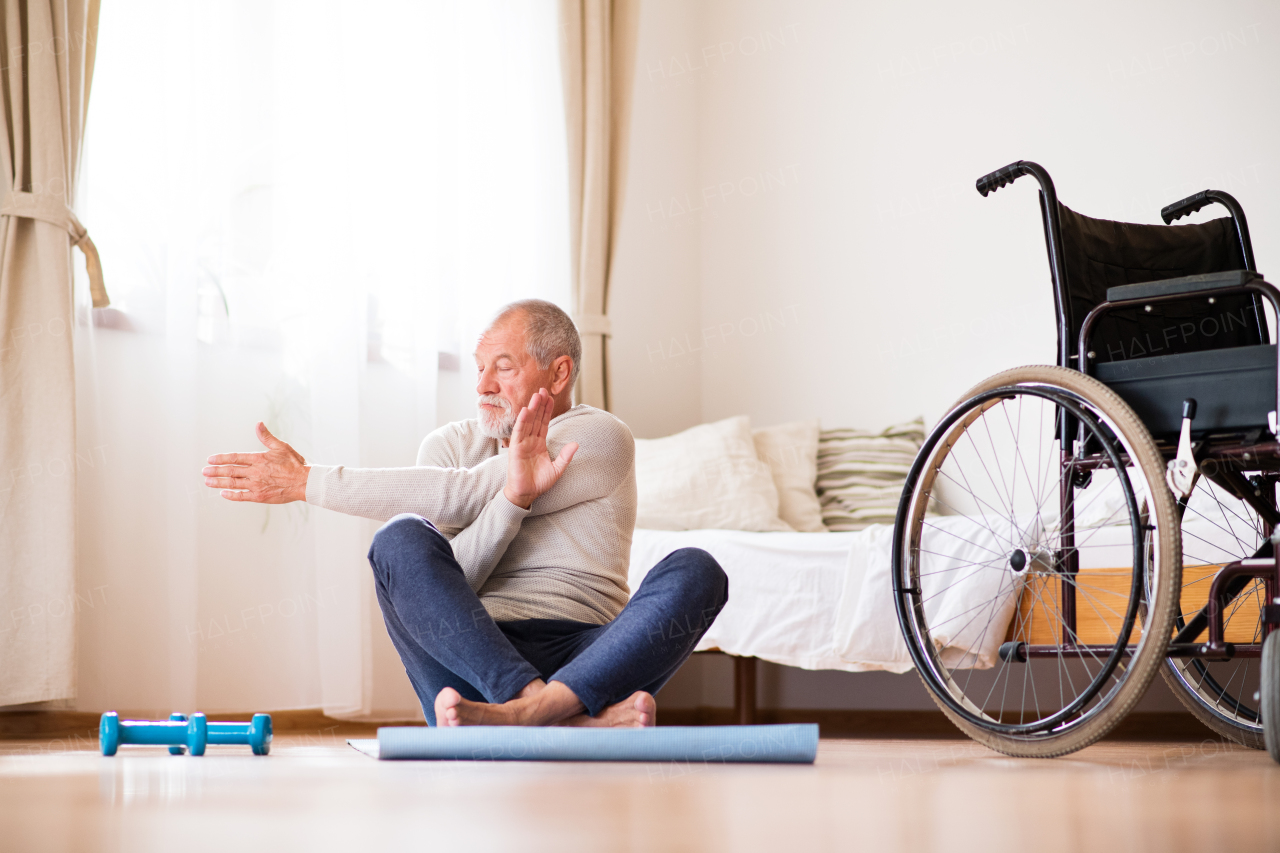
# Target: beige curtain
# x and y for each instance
(46, 63)
(598, 53)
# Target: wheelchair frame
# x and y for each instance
(1225, 455)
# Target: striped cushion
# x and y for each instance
(861, 474)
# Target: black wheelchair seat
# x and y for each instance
(1234, 389)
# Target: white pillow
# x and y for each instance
(707, 477)
(791, 450)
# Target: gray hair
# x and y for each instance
(549, 332)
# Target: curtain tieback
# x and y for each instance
(592, 324)
(55, 212)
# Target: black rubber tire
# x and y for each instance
(1157, 620)
(1271, 694)
(1243, 733)
(1245, 736)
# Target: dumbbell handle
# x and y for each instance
(177, 750)
(228, 733)
(153, 733)
(192, 734)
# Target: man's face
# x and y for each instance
(507, 377)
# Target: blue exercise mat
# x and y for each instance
(790, 744)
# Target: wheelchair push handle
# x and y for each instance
(1001, 177)
(1204, 198)
(1187, 206)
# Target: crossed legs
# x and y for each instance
(469, 670)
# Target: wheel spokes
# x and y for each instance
(964, 608)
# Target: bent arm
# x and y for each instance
(594, 474)
(480, 546)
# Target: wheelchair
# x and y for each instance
(1117, 510)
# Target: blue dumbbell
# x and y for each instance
(177, 718)
(256, 733)
(178, 731)
(112, 731)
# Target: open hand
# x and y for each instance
(530, 469)
(277, 476)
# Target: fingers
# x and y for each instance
(225, 471)
(227, 482)
(236, 495)
(534, 418)
(535, 413)
(548, 406)
(540, 406)
(522, 425)
(235, 458)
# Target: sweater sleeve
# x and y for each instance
(448, 497)
(455, 497)
(480, 546)
(604, 459)
(439, 488)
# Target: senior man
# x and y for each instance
(502, 568)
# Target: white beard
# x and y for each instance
(494, 425)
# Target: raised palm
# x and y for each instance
(530, 469)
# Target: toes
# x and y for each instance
(644, 703)
(447, 707)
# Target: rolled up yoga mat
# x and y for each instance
(789, 744)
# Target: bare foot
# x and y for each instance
(453, 710)
(538, 704)
(638, 711)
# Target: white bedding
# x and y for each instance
(783, 588)
(825, 600)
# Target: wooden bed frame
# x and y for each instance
(744, 686)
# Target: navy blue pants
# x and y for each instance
(446, 638)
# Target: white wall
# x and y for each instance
(865, 280)
(801, 206)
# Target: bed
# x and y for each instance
(808, 600)
(824, 600)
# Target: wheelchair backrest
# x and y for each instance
(1098, 254)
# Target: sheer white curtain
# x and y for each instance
(304, 205)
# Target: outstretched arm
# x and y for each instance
(450, 497)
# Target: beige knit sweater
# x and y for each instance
(563, 558)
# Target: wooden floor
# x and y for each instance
(315, 793)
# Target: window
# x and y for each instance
(263, 174)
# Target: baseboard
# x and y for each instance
(834, 723)
(82, 724)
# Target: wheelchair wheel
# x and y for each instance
(1218, 528)
(1270, 694)
(1020, 571)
